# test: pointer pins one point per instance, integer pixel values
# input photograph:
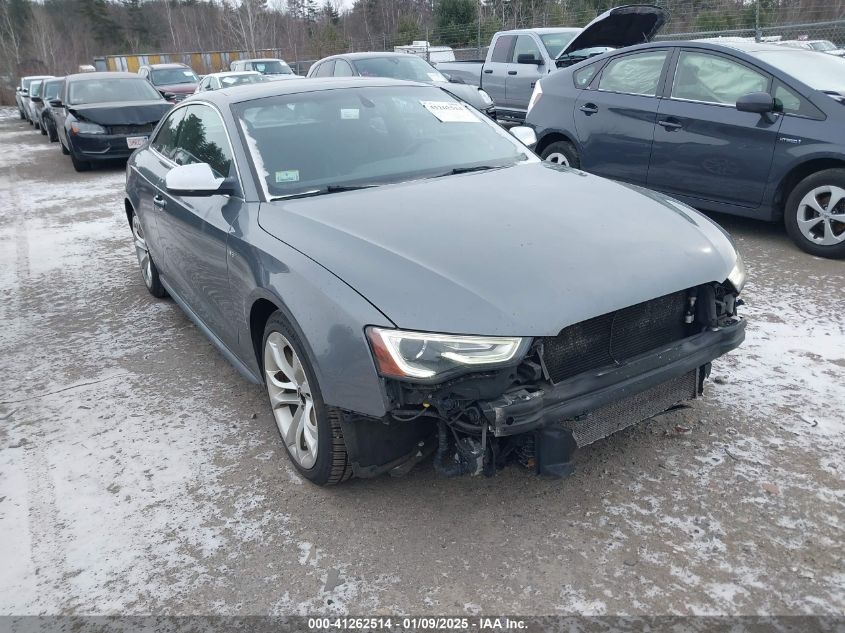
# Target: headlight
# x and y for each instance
(404, 354)
(81, 127)
(738, 275)
(487, 99)
(535, 96)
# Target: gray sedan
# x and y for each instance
(400, 66)
(405, 277)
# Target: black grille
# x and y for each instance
(131, 130)
(615, 337)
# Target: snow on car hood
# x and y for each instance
(525, 250)
(619, 27)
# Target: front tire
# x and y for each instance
(814, 214)
(78, 164)
(149, 271)
(43, 129)
(562, 153)
(310, 430)
(64, 149)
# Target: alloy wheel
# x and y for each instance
(558, 158)
(142, 252)
(821, 215)
(291, 399)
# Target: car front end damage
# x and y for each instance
(550, 395)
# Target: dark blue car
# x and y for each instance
(756, 130)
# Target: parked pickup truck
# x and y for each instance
(516, 59)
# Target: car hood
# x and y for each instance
(619, 27)
(178, 89)
(464, 92)
(525, 250)
(122, 113)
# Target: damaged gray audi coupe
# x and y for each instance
(406, 278)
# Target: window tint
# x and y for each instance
(502, 49)
(585, 75)
(525, 45)
(634, 74)
(325, 69)
(793, 103)
(342, 68)
(202, 139)
(165, 141)
(715, 79)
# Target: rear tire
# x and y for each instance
(42, 127)
(562, 153)
(22, 115)
(814, 214)
(149, 271)
(310, 430)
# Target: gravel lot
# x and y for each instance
(139, 473)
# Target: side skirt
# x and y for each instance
(242, 368)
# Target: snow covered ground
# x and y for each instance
(139, 473)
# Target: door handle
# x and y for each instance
(487, 72)
(669, 126)
(511, 72)
(589, 108)
(159, 201)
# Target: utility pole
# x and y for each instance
(478, 32)
(758, 34)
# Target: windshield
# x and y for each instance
(406, 66)
(35, 88)
(822, 45)
(272, 67)
(111, 90)
(228, 81)
(822, 72)
(51, 89)
(309, 143)
(556, 42)
(173, 76)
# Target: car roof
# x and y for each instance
(103, 75)
(261, 59)
(169, 65)
(543, 31)
(229, 73)
(368, 55)
(34, 77)
(248, 92)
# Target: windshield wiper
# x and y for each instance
(321, 192)
(468, 170)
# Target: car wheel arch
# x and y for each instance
(553, 137)
(798, 173)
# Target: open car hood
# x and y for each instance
(619, 27)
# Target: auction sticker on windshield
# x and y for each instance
(450, 112)
(134, 142)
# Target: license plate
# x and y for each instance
(134, 142)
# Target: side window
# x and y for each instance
(165, 141)
(502, 49)
(205, 84)
(636, 74)
(143, 73)
(525, 45)
(342, 68)
(326, 69)
(584, 76)
(202, 139)
(715, 79)
(793, 103)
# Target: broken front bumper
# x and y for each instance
(645, 385)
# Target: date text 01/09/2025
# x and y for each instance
(421, 623)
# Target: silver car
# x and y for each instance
(405, 278)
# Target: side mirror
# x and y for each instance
(168, 95)
(524, 135)
(36, 99)
(757, 102)
(195, 180)
(56, 103)
(454, 80)
(528, 58)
